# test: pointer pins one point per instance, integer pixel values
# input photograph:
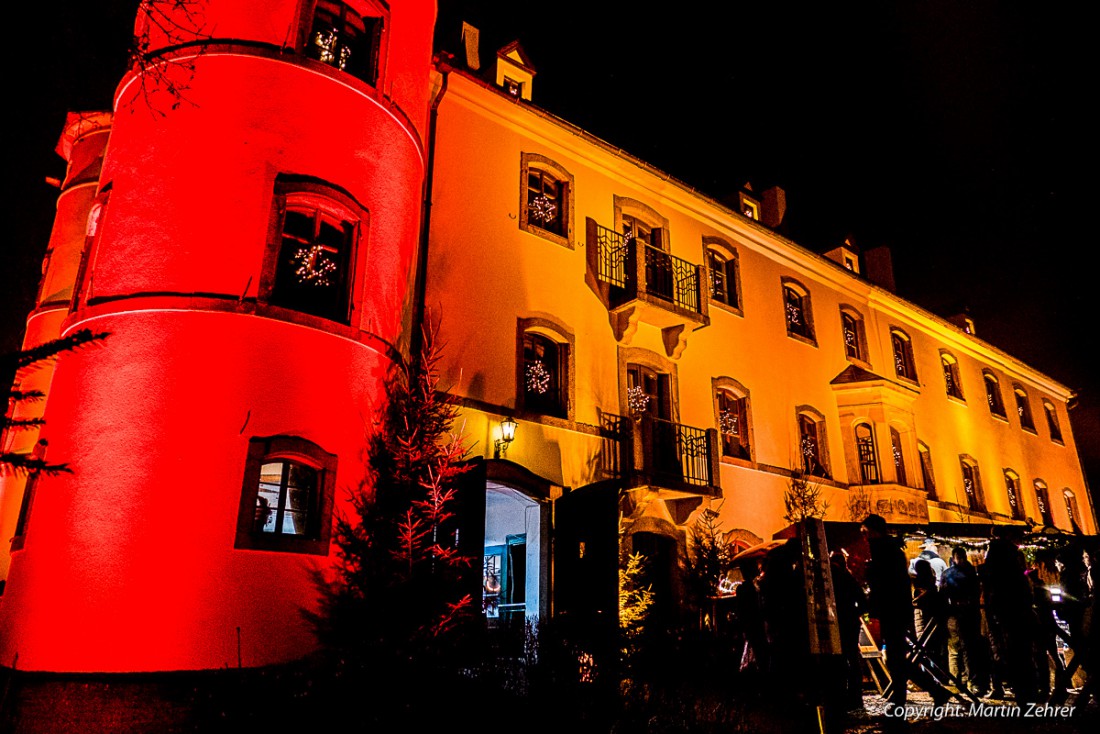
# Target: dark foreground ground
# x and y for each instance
(302, 700)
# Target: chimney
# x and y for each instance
(471, 39)
(880, 267)
(775, 207)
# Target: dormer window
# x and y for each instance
(512, 87)
(514, 72)
(346, 39)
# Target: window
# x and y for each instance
(972, 484)
(899, 456)
(346, 39)
(1072, 512)
(732, 406)
(904, 366)
(512, 87)
(546, 200)
(723, 277)
(286, 502)
(1012, 489)
(318, 229)
(868, 457)
(1023, 408)
(796, 305)
(1042, 498)
(1052, 421)
(926, 470)
(951, 382)
(811, 440)
(855, 339)
(993, 395)
(543, 375)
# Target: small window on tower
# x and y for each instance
(287, 499)
(318, 229)
(347, 39)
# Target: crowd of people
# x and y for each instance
(982, 625)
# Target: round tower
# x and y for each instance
(82, 144)
(251, 254)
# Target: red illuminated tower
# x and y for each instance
(251, 250)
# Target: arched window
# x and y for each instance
(723, 273)
(542, 375)
(896, 449)
(811, 443)
(855, 338)
(1012, 489)
(544, 368)
(972, 484)
(904, 366)
(286, 502)
(319, 227)
(1052, 421)
(546, 201)
(347, 36)
(731, 404)
(1023, 408)
(868, 457)
(1042, 498)
(952, 383)
(797, 311)
(993, 395)
(926, 469)
(1072, 511)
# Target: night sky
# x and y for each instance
(954, 132)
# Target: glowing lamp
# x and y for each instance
(507, 435)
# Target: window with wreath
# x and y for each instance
(348, 37)
(1052, 421)
(317, 227)
(733, 422)
(1072, 511)
(1023, 408)
(926, 472)
(811, 443)
(546, 199)
(902, 346)
(545, 366)
(952, 384)
(796, 307)
(993, 395)
(1042, 499)
(972, 484)
(868, 456)
(287, 498)
(722, 270)
(898, 454)
(1012, 490)
(855, 339)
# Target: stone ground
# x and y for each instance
(273, 702)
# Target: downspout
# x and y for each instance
(421, 282)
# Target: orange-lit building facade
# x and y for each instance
(260, 246)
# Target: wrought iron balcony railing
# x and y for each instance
(661, 453)
(658, 273)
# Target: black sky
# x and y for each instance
(957, 133)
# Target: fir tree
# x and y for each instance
(15, 367)
(397, 598)
(803, 499)
(708, 560)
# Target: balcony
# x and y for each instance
(640, 283)
(661, 454)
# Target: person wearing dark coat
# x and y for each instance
(890, 602)
(1011, 619)
(851, 602)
